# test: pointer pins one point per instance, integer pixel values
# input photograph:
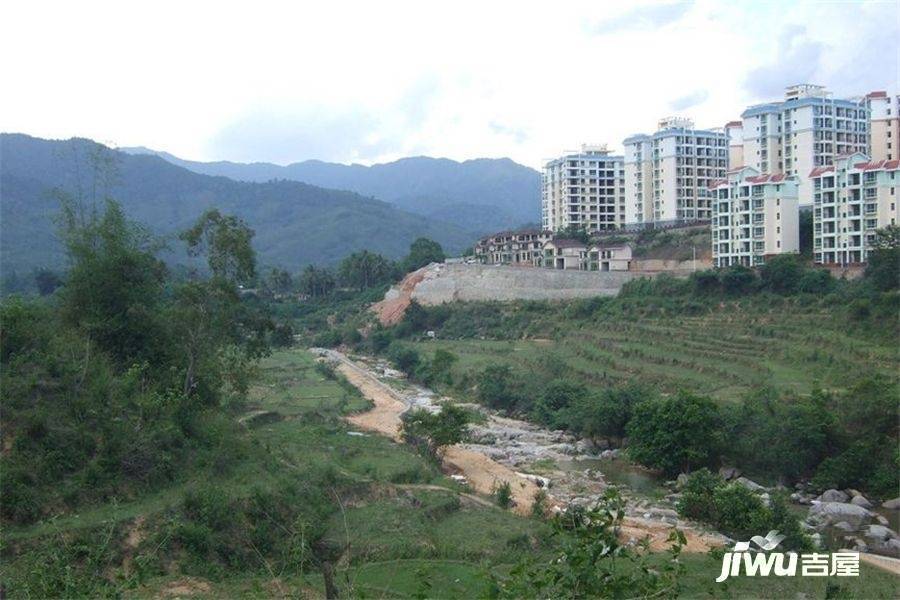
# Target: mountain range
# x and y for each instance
(482, 195)
(296, 223)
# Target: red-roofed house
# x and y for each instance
(852, 199)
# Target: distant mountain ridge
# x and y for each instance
(295, 223)
(480, 195)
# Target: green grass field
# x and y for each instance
(406, 530)
(723, 353)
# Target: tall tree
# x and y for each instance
(226, 240)
(422, 252)
(883, 269)
(362, 270)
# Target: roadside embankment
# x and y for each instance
(441, 283)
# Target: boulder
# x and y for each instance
(882, 520)
(860, 500)
(681, 480)
(891, 504)
(729, 473)
(889, 547)
(844, 526)
(879, 532)
(829, 513)
(853, 492)
(750, 485)
(833, 496)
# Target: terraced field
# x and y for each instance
(723, 353)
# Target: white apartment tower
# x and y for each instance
(884, 126)
(852, 198)
(808, 129)
(668, 173)
(584, 189)
(755, 216)
(734, 131)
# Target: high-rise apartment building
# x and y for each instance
(584, 189)
(852, 198)
(734, 131)
(808, 129)
(884, 126)
(755, 216)
(667, 174)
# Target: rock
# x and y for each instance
(835, 512)
(882, 520)
(816, 539)
(879, 532)
(663, 513)
(859, 545)
(729, 473)
(833, 496)
(860, 500)
(891, 504)
(750, 485)
(681, 480)
(844, 526)
(853, 492)
(889, 547)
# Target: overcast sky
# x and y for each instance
(374, 81)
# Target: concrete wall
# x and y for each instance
(487, 282)
(653, 265)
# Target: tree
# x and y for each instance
(495, 387)
(781, 274)
(316, 282)
(738, 279)
(429, 432)
(883, 270)
(590, 561)
(226, 240)
(47, 281)
(362, 270)
(605, 415)
(552, 406)
(806, 233)
(574, 232)
(280, 281)
(422, 252)
(404, 358)
(115, 283)
(209, 315)
(675, 434)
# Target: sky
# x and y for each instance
(372, 82)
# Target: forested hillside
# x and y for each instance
(295, 223)
(481, 195)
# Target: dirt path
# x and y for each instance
(482, 473)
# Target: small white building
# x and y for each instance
(564, 254)
(609, 257)
(755, 216)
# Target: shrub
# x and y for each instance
(675, 434)
(495, 387)
(738, 279)
(404, 358)
(697, 495)
(503, 495)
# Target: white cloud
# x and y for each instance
(366, 81)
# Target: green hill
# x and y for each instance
(295, 223)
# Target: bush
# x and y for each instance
(404, 358)
(675, 434)
(739, 512)
(737, 280)
(503, 495)
(697, 495)
(495, 387)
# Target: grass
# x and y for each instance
(402, 539)
(723, 353)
